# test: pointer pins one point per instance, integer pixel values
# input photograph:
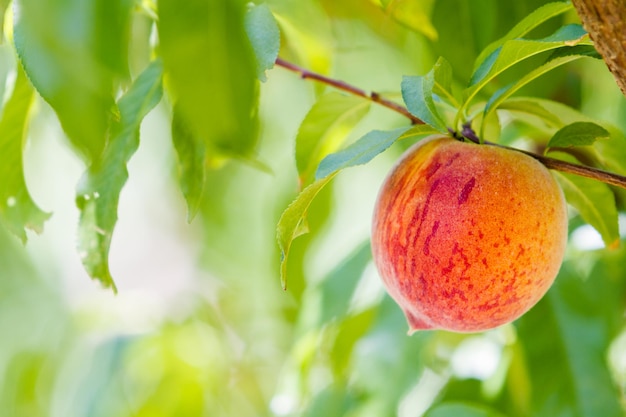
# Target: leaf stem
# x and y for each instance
(372, 96)
(550, 163)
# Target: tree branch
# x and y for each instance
(551, 163)
(605, 20)
(373, 96)
(580, 170)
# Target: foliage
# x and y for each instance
(257, 153)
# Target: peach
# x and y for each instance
(467, 237)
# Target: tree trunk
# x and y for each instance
(605, 20)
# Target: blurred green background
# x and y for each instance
(200, 325)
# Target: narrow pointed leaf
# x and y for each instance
(516, 50)
(577, 134)
(530, 22)
(264, 36)
(367, 147)
(324, 130)
(73, 52)
(17, 208)
(560, 57)
(211, 72)
(292, 223)
(191, 153)
(417, 93)
(99, 189)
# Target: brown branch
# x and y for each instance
(551, 163)
(340, 85)
(605, 20)
(580, 170)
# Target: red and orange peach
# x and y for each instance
(467, 237)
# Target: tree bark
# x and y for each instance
(605, 20)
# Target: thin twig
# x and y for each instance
(551, 163)
(373, 96)
(580, 170)
(556, 164)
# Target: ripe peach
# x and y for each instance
(467, 237)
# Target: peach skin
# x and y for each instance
(467, 237)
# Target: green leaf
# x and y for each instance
(609, 154)
(577, 134)
(413, 14)
(360, 152)
(74, 66)
(516, 50)
(461, 410)
(211, 72)
(324, 129)
(367, 147)
(339, 285)
(292, 223)
(17, 208)
(192, 160)
(530, 22)
(533, 107)
(417, 93)
(560, 57)
(612, 152)
(565, 338)
(264, 36)
(443, 82)
(594, 201)
(350, 332)
(334, 400)
(99, 189)
(307, 35)
(4, 5)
